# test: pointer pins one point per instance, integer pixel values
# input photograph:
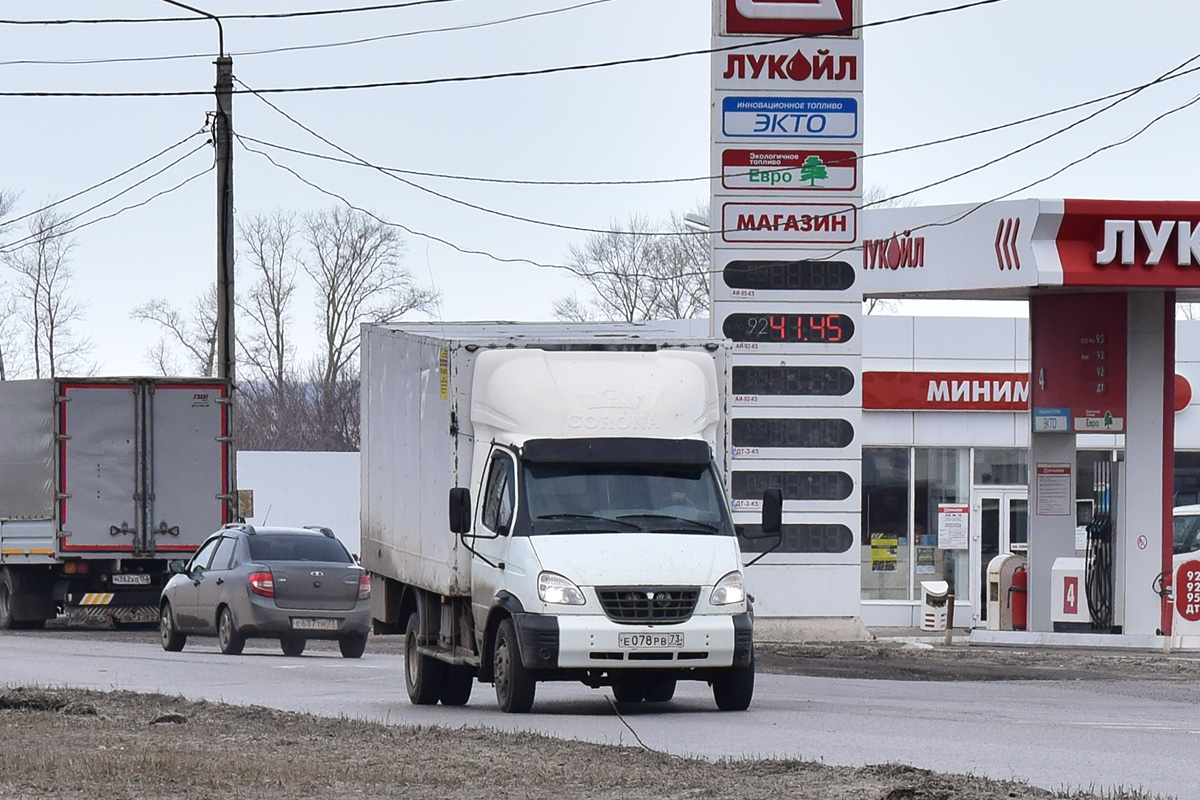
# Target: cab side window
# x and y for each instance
(500, 494)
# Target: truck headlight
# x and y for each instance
(554, 588)
(729, 590)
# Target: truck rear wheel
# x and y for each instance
(628, 691)
(293, 645)
(734, 690)
(515, 686)
(423, 675)
(659, 690)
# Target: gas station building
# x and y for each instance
(1065, 438)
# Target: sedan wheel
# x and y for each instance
(353, 645)
(293, 645)
(230, 640)
(172, 640)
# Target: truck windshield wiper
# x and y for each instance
(589, 518)
(705, 526)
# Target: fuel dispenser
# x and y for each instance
(1098, 575)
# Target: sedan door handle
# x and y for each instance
(220, 581)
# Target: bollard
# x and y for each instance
(949, 615)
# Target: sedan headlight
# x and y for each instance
(554, 588)
(730, 589)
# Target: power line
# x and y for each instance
(33, 236)
(298, 48)
(511, 74)
(106, 181)
(277, 15)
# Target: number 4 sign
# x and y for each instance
(812, 17)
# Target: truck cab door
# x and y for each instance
(492, 539)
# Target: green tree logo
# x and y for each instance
(813, 170)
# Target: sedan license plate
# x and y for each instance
(314, 624)
(640, 641)
(131, 579)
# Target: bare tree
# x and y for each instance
(640, 270)
(9, 345)
(195, 333)
(267, 347)
(354, 262)
(46, 307)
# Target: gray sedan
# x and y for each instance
(290, 584)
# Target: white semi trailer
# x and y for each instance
(102, 482)
(543, 502)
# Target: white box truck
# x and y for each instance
(102, 482)
(543, 502)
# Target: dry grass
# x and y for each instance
(127, 746)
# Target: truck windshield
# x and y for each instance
(655, 498)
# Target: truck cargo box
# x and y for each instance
(418, 438)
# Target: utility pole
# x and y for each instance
(226, 348)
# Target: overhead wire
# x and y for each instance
(33, 236)
(300, 48)
(107, 180)
(515, 73)
(275, 15)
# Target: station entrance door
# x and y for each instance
(999, 524)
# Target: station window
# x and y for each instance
(886, 544)
(1187, 478)
(1001, 467)
(941, 476)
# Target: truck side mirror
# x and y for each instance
(460, 509)
(772, 512)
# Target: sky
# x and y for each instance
(926, 79)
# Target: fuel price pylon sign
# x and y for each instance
(786, 149)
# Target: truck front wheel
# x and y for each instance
(734, 690)
(515, 686)
(422, 674)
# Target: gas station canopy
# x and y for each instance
(1015, 249)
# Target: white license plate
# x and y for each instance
(638, 641)
(134, 579)
(314, 624)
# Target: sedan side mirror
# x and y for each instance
(460, 510)
(177, 567)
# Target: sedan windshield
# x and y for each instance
(1187, 533)
(578, 498)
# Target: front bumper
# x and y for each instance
(579, 641)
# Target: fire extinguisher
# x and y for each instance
(1018, 599)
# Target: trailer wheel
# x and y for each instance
(422, 674)
(230, 640)
(6, 593)
(293, 645)
(515, 686)
(734, 690)
(459, 680)
(172, 640)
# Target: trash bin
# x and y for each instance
(933, 605)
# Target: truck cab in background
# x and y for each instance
(588, 535)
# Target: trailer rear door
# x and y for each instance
(143, 465)
(97, 480)
(189, 467)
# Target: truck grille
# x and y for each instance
(642, 605)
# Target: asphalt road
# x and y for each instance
(1054, 734)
